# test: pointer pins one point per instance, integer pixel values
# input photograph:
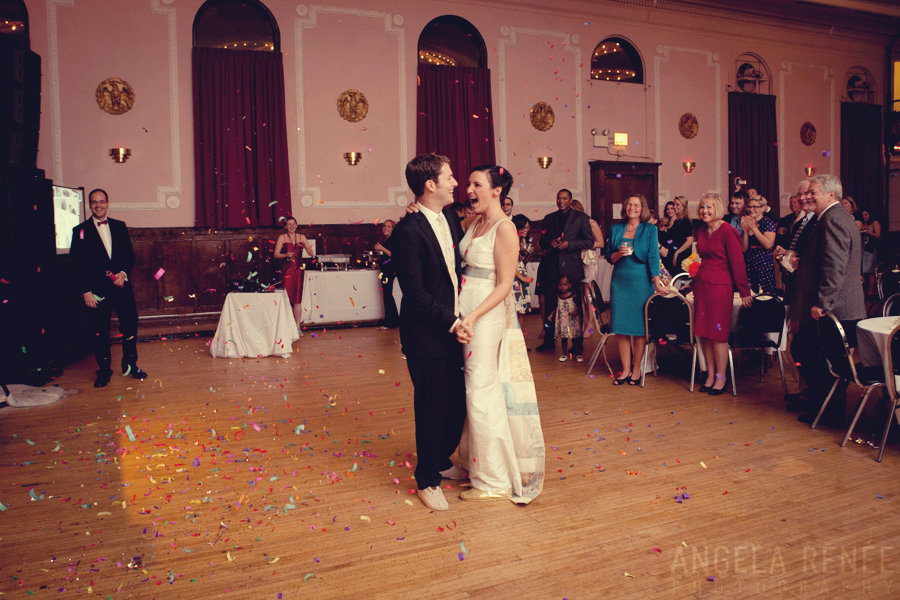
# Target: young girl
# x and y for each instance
(568, 315)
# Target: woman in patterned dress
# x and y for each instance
(757, 242)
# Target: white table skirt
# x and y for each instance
(343, 296)
(254, 325)
(604, 277)
(872, 335)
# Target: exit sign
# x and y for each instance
(621, 139)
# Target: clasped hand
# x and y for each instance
(748, 224)
(559, 244)
(465, 331)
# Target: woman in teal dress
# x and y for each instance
(633, 249)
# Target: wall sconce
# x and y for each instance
(544, 161)
(120, 155)
(352, 158)
(810, 171)
(688, 166)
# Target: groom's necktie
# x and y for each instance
(449, 258)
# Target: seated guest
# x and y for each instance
(633, 250)
(736, 208)
(721, 272)
(391, 318)
(679, 236)
(757, 241)
(290, 246)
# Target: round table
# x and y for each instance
(872, 336)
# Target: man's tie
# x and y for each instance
(449, 258)
(103, 222)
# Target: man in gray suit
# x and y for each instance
(565, 233)
(828, 281)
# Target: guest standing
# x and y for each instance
(871, 233)
(849, 205)
(568, 315)
(391, 318)
(290, 246)
(103, 258)
(633, 251)
(721, 272)
(736, 209)
(679, 236)
(564, 235)
(757, 241)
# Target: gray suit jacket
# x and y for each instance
(829, 272)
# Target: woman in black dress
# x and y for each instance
(679, 236)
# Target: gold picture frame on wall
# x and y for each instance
(115, 96)
(688, 126)
(352, 106)
(808, 134)
(542, 117)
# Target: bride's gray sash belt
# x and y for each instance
(479, 272)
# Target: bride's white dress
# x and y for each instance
(502, 445)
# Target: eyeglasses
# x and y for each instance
(753, 207)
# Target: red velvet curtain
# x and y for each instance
(240, 139)
(753, 146)
(455, 118)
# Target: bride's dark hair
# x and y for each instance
(498, 178)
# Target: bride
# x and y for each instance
(502, 445)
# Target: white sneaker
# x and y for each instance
(455, 473)
(433, 498)
(563, 358)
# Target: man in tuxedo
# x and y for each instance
(565, 233)
(427, 263)
(828, 281)
(103, 258)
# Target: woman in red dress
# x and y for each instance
(290, 246)
(722, 272)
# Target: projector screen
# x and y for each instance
(68, 211)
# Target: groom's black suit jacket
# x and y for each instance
(91, 261)
(426, 311)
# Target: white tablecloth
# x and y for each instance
(343, 296)
(254, 325)
(603, 280)
(872, 336)
(735, 309)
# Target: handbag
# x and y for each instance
(869, 243)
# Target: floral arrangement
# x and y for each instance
(691, 264)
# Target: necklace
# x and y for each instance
(293, 238)
(633, 229)
(475, 233)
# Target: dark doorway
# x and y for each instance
(613, 182)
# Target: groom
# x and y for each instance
(427, 263)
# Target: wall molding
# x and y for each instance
(53, 51)
(570, 42)
(308, 19)
(712, 60)
(787, 69)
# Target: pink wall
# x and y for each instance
(371, 46)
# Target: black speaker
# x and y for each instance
(20, 104)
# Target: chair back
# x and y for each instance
(765, 316)
(680, 281)
(891, 306)
(669, 318)
(837, 350)
(884, 266)
(597, 305)
(893, 359)
(888, 284)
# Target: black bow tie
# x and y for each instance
(103, 222)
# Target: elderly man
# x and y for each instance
(796, 238)
(827, 281)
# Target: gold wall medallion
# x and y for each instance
(352, 106)
(115, 96)
(808, 134)
(542, 116)
(688, 126)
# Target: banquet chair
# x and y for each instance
(893, 367)
(680, 281)
(888, 284)
(891, 306)
(756, 325)
(843, 367)
(595, 316)
(668, 320)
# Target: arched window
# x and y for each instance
(751, 74)
(616, 59)
(240, 130)
(235, 25)
(452, 41)
(860, 85)
(14, 22)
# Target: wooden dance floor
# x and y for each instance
(282, 479)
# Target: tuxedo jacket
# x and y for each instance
(580, 237)
(426, 310)
(91, 261)
(829, 272)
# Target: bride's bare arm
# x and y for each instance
(506, 254)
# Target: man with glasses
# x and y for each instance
(103, 258)
(507, 205)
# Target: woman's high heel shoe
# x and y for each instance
(623, 381)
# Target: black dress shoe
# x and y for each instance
(102, 381)
(704, 389)
(137, 373)
(715, 392)
(546, 347)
